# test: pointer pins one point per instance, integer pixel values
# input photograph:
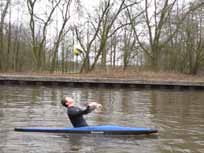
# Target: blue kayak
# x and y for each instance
(100, 129)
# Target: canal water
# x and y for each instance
(178, 115)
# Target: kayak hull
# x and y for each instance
(100, 129)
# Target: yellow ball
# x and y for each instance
(77, 51)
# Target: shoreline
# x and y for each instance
(78, 80)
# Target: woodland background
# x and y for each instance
(157, 35)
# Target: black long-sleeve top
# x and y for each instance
(75, 115)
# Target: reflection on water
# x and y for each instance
(177, 114)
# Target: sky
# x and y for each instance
(20, 13)
(19, 8)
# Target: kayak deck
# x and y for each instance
(100, 129)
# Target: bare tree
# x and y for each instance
(154, 24)
(182, 48)
(107, 24)
(4, 10)
(104, 29)
(193, 43)
(129, 43)
(87, 48)
(38, 44)
(65, 11)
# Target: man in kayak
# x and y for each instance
(75, 113)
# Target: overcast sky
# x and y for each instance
(20, 13)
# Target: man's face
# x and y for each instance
(69, 101)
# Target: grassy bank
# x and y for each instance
(120, 74)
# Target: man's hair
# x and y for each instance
(63, 101)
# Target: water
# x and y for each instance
(178, 115)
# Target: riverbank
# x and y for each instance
(145, 79)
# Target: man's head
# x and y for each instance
(67, 101)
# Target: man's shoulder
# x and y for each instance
(74, 108)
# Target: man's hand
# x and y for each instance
(95, 106)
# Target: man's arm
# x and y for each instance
(95, 106)
(78, 111)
